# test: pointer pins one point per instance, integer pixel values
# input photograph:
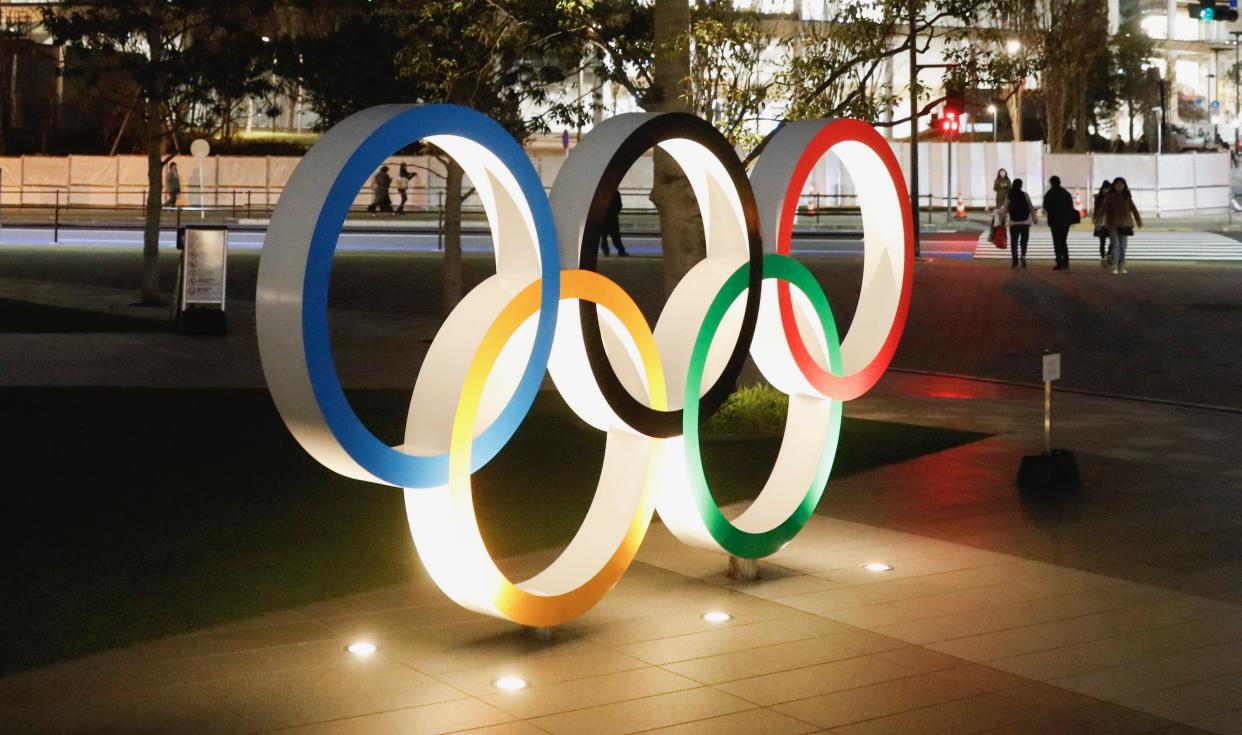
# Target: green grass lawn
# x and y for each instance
(131, 514)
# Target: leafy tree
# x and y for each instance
(1013, 33)
(1073, 55)
(500, 57)
(718, 58)
(180, 54)
(1131, 85)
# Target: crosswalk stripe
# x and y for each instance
(1154, 246)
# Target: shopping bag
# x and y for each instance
(998, 237)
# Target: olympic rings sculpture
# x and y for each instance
(648, 389)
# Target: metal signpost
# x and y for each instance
(1053, 469)
(1052, 371)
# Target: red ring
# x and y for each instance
(846, 387)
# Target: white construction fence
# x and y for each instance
(1169, 185)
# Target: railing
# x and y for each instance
(63, 207)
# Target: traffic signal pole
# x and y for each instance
(914, 120)
(948, 194)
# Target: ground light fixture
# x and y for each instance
(510, 683)
(362, 649)
(877, 566)
(717, 616)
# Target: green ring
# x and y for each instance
(740, 543)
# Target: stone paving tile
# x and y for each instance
(235, 640)
(1186, 703)
(1182, 621)
(309, 695)
(1229, 723)
(540, 699)
(741, 723)
(765, 660)
(710, 642)
(970, 715)
(875, 700)
(644, 714)
(811, 681)
(508, 728)
(1103, 652)
(542, 670)
(1119, 682)
(432, 719)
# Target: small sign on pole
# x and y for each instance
(202, 278)
(1052, 366)
(1052, 371)
(1053, 468)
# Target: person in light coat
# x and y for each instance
(1119, 216)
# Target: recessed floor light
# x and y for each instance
(510, 683)
(877, 566)
(716, 616)
(361, 649)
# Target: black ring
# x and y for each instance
(669, 126)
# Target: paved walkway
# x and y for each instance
(1002, 614)
(1117, 610)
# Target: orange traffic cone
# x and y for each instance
(1082, 210)
(961, 207)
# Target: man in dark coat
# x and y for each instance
(612, 226)
(1059, 208)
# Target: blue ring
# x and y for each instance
(417, 123)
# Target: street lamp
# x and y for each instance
(992, 109)
(1013, 46)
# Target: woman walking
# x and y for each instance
(1018, 214)
(1106, 253)
(404, 178)
(1001, 186)
(1120, 216)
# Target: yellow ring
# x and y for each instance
(442, 519)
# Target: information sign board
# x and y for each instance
(204, 267)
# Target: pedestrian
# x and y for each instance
(380, 199)
(405, 177)
(1097, 214)
(1018, 214)
(172, 185)
(1061, 213)
(1001, 187)
(1120, 217)
(612, 227)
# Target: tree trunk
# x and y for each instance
(681, 224)
(452, 280)
(155, 167)
(1054, 113)
(1082, 141)
(1014, 106)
